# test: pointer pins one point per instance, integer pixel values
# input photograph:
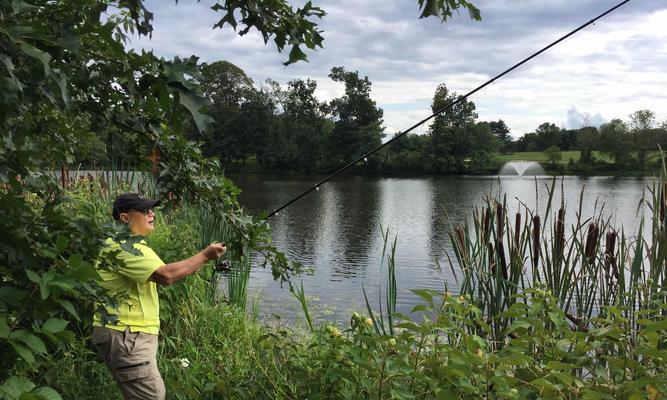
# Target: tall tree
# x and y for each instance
(502, 133)
(306, 128)
(548, 134)
(642, 124)
(228, 88)
(357, 119)
(615, 140)
(587, 140)
(449, 131)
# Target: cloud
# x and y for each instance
(610, 69)
(577, 119)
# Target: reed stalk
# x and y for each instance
(590, 266)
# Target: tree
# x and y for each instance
(553, 155)
(641, 126)
(357, 119)
(305, 127)
(615, 140)
(69, 88)
(228, 88)
(502, 133)
(64, 64)
(548, 135)
(449, 131)
(587, 140)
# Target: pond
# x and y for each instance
(337, 230)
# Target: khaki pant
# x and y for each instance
(131, 357)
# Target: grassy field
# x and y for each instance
(541, 157)
(574, 155)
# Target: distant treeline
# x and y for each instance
(274, 128)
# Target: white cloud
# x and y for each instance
(606, 71)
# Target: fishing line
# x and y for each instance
(443, 108)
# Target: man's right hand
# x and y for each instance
(214, 250)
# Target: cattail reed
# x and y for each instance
(591, 242)
(487, 222)
(500, 248)
(517, 229)
(536, 241)
(559, 237)
(460, 241)
(610, 252)
(662, 202)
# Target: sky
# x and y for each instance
(609, 70)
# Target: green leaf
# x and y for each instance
(44, 291)
(15, 386)
(46, 393)
(560, 365)
(15, 82)
(33, 276)
(19, 7)
(424, 294)
(11, 295)
(75, 260)
(655, 326)
(40, 55)
(23, 352)
(62, 242)
(67, 305)
(519, 324)
(54, 325)
(398, 393)
(4, 328)
(194, 104)
(422, 307)
(61, 81)
(30, 340)
(296, 55)
(430, 9)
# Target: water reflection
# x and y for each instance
(337, 229)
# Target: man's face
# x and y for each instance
(140, 222)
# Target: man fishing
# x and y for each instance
(129, 344)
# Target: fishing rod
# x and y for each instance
(443, 108)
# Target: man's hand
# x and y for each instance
(214, 250)
(173, 272)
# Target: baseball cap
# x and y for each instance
(132, 201)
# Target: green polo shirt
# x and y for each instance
(139, 307)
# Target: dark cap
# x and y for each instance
(132, 201)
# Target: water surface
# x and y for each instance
(337, 230)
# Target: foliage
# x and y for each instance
(357, 119)
(70, 92)
(565, 325)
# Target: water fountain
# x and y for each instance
(521, 168)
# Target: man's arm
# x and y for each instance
(173, 272)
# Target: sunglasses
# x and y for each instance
(145, 212)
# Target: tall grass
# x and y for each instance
(215, 227)
(589, 266)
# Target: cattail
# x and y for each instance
(591, 242)
(460, 237)
(560, 236)
(610, 252)
(517, 229)
(487, 222)
(662, 202)
(492, 260)
(500, 248)
(63, 179)
(536, 240)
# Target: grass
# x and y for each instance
(566, 156)
(546, 311)
(541, 157)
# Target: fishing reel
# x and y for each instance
(223, 266)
